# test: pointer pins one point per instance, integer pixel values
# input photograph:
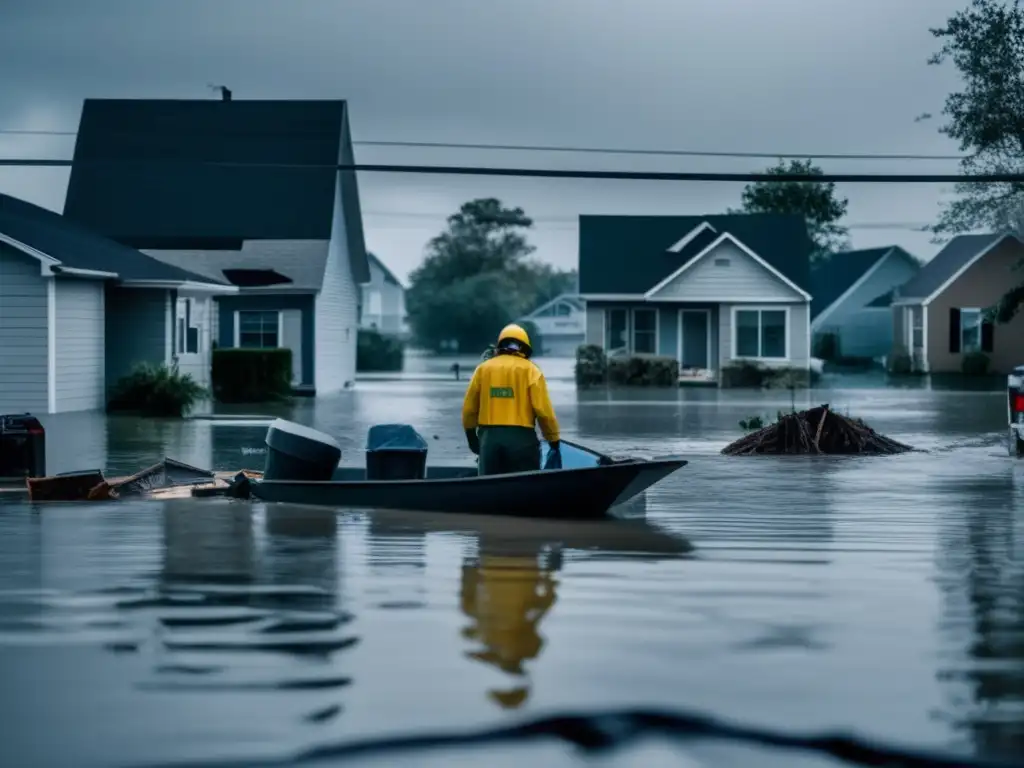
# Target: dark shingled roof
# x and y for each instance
(833, 276)
(958, 251)
(78, 248)
(173, 173)
(629, 254)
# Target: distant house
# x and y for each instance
(843, 286)
(383, 304)
(242, 191)
(707, 290)
(938, 315)
(79, 311)
(561, 324)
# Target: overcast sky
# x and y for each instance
(777, 76)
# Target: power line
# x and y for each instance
(584, 150)
(553, 173)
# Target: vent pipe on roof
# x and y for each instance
(225, 92)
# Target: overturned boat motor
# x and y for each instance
(303, 468)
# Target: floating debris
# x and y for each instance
(816, 431)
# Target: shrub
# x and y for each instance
(251, 375)
(591, 365)
(644, 371)
(752, 424)
(376, 351)
(899, 361)
(975, 364)
(744, 374)
(155, 390)
(826, 347)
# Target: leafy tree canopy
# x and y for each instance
(477, 276)
(816, 201)
(985, 42)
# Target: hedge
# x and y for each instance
(251, 375)
(751, 374)
(155, 390)
(377, 352)
(593, 367)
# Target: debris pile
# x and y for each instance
(815, 431)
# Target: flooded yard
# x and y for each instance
(879, 595)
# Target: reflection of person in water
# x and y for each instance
(506, 595)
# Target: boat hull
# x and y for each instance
(577, 493)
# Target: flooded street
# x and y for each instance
(878, 595)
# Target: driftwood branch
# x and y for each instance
(832, 434)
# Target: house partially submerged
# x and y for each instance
(938, 316)
(561, 323)
(78, 311)
(707, 290)
(843, 287)
(245, 192)
(383, 304)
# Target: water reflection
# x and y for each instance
(982, 579)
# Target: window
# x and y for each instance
(616, 333)
(970, 330)
(645, 331)
(562, 310)
(760, 333)
(916, 328)
(259, 329)
(722, 262)
(373, 302)
(186, 328)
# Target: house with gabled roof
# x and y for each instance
(383, 304)
(843, 286)
(244, 191)
(939, 315)
(78, 311)
(561, 324)
(707, 290)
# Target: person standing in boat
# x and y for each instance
(506, 398)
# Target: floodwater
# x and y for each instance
(883, 595)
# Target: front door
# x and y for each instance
(695, 338)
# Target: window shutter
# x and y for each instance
(954, 329)
(988, 333)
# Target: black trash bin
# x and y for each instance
(22, 447)
(395, 452)
(295, 452)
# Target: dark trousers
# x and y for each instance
(508, 449)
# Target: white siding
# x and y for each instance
(799, 342)
(595, 325)
(727, 274)
(80, 331)
(336, 312)
(23, 334)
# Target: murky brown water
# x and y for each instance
(881, 595)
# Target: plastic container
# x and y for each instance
(295, 452)
(395, 452)
(1015, 410)
(22, 447)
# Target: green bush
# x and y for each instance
(751, 374)
(899, 361)
(975, 364)
(591, 365)
(155, 390)
(376, 351)
(826, 347)
(251, 375)
(644, 371)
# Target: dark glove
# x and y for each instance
(473, 440)
(554, 446)
(554, 460)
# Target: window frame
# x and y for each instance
(734, 332)
(916, 327)
(238, 326)
(980, 315)
(607, 329)
(184, 321)
(631, 336)
(374, 293)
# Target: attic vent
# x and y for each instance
(721, 262)
(255, 278)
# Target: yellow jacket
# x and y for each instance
(509, 391)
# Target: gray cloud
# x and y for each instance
(785, 76)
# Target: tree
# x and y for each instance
(985, 42)
(477, 277)
(816, 201)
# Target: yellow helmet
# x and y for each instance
(517, 333)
